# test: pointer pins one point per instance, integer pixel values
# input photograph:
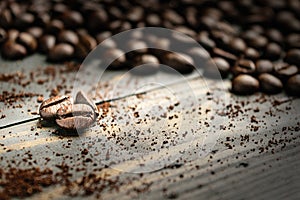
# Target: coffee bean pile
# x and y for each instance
(256, 43)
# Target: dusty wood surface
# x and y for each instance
(210, 145)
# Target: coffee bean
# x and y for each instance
(87, 41)
(28, 41)
(117, 57)
(264, 66)
(54, 27)
(222, 39)
(153, 20)
(293, 40)
(231, 58)
(136, 47)
(293, 85)
(178, 61)
(284, 70)
(293, 57)
(3, 35)
(274, 35)
(72, 19)
(218, 66)
(251, 54)
(272, 51)
(199, 55)
(243, 66)
(245, 84)
(269, 83)
(35, 31)
(60, 52)
(24, 20)
(12, 35)
(5, 18)
(48, 109)
(12, 50)
(76, 116)
(81, 98)
(145, 65)
(67, 36)
(205, 41)
(237, 45)
(46, 43)
(100, 37)
(97, 20)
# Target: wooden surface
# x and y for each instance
(220, 151)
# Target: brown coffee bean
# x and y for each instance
(60, 52)
(284, 70)
(224, 54)
(35, 31)
(293, 40)
(145, 65)
(269, 83)
(178, 61)
(46, 43)
(12, 50)
(97, 20)
(274, 35)
(5, 18)
(243, 66)
(100, 37)
(67, 36)
(222, 39)
(24, 20)
(237, 45)
(48, 109)
(153, 20)
(272, 51)
(12, 34)
(293, 85)
(87, 41)
(117, 57)
(28, 41)
(245, 84)
(54, 27)
(136, 47)
(293, 57)
(3, 35)
(251, 54)
(81, 98)
(264, 66)
(72, 19)
(76, 116)
(205, 41)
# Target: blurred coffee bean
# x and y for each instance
(245, 84)
(28, 41)
(231, 58)
(252, 54)
(46, 42)
(42, 19)
(135, 14)
(12, 50)
(24, 20)
(237, 45)
(145, 65)
(293, 40)
(199, 55)
(269, 83)
(35, 31)
(136, 47)
(207, 23)
(205, 41)
(272, 51)
(293, 85)
(115, 58)
(3, 35)
(243, 66)
(97, 20)
(12, 34)
(285, 70)
(68, 36)
(60, 52)
(5, 18)
(172, 17)
(213, 68)
(258, 42)
(59, 8)
(264, 66)
(178, 61)
(153, 20)
(222, 39)
(72, 19)
(103, 36)
(293, 57)
(54, 27)
(87, 41)
(274, 35)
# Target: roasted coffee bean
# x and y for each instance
(272, 51)
(237, 45)
(72, 19)
(199, 55)
(95, 19)
(76, 116)
(67, 36)
(205, 41)
(269, 83)
(35, 31)
(24, 20)
(153, 20)
(3, 35)
(28, 41)
(222, 39)
(136, 47)
(178, 61)
(231, 58)
(218, 66)
(12, 34)
(293, 57)
(12, 50)
(252, 54)
(293, 40)
(87, 41)
(81, 98)
(274, 35)
(60, 52)
(115, 58)
(257, 42)
(46, 43)
(244, 66)
(293, 85)
(284, 70)
(100, 37)
(264, 66)
(245, 84)
(54, 27)
(145, 65)
(48, 109)
(5, 18)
